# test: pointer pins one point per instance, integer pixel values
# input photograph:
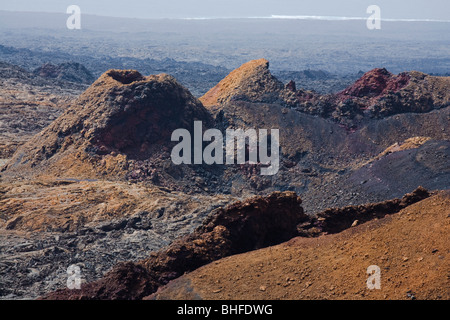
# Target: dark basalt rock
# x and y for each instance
(334, 220)
(68, 71)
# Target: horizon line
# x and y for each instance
(271, 17)
(314, 17)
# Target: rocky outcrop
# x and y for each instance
(375, 83)
(122, 118)
(378, 94)
(250, 82)
(240, 227)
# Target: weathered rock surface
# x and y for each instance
(243, 226)
(49, 225)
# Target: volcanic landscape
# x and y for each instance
(87, 179)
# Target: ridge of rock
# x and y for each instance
(413, 241)
(239, 227)
(378, 94)
(335, 220)
(376, 82)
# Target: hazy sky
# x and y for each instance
(391, 9)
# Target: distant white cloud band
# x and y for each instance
(332, 18)
(328, 18)
(323, 18)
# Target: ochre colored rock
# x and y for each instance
(252, 82)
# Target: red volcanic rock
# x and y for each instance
(381, 94)
(375, 83)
